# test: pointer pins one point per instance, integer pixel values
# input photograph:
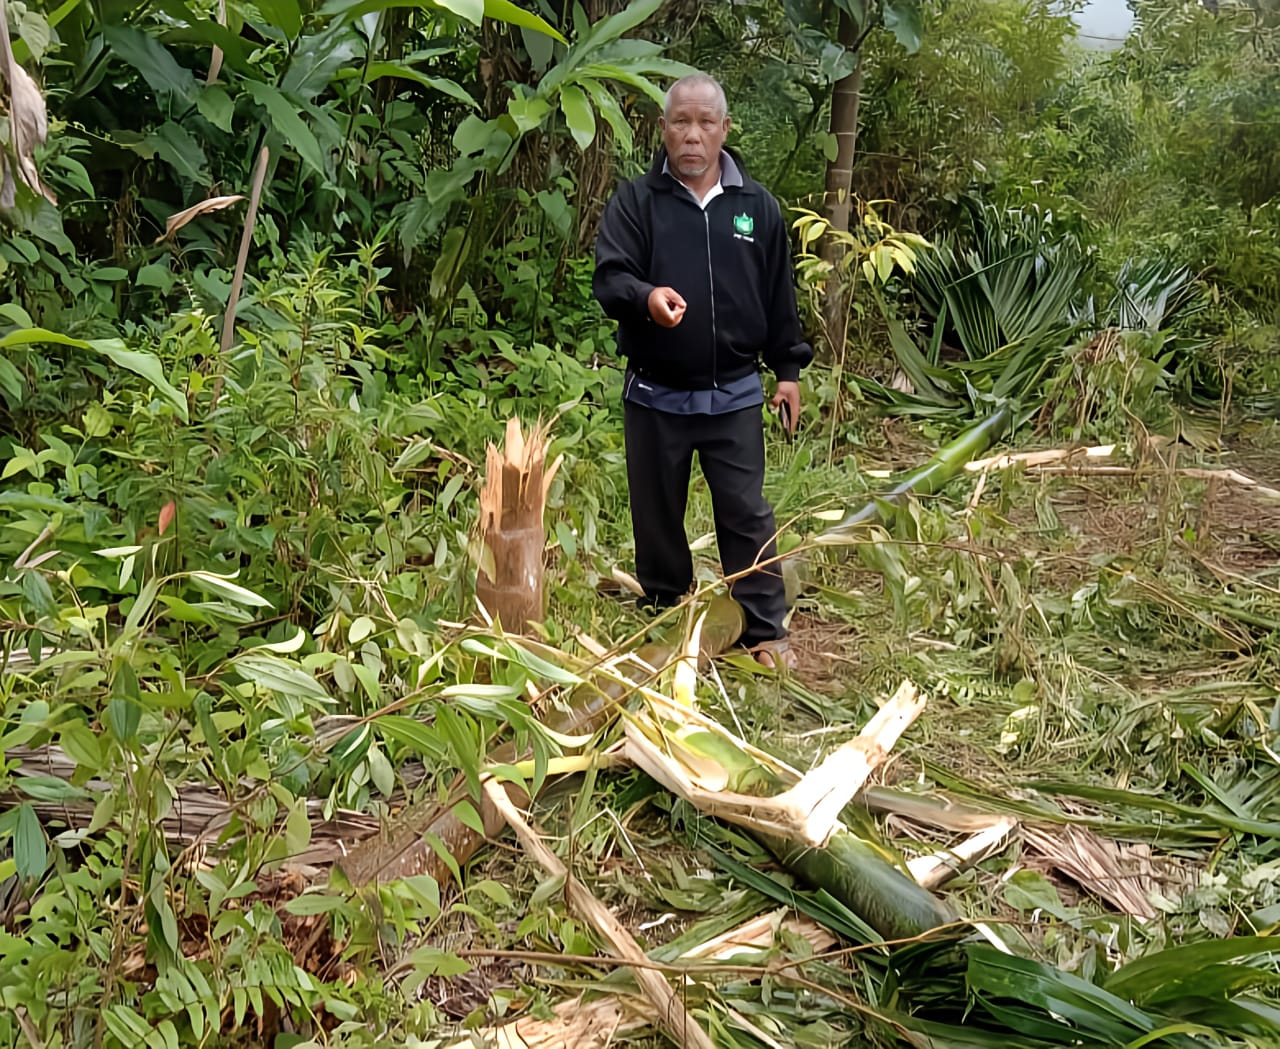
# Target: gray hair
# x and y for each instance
(696, 80)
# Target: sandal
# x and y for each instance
(776, 655)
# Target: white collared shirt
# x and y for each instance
(712, 193)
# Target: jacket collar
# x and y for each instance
(733, 173)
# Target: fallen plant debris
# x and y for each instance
(826, 896)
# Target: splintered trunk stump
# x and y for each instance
(512, 532)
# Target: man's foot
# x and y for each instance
(776, 655)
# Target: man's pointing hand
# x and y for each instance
(666, 307)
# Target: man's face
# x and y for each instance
(694, 130)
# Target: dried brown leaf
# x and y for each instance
(175, 222)
(28, 123)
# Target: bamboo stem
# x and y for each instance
(671, 1013)
(242, 260)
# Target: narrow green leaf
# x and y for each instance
(414, 734)
(379, 70)
(50, 788)
(277, 675)
(30, 849)
(222, 587)
(1151, 974)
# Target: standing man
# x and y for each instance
(694, 263)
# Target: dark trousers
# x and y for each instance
(730, 447)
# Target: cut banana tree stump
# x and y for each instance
(512, 529)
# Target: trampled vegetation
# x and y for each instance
(274, 276)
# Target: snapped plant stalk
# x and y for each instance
(406, 849)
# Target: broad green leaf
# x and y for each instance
(471, 10)
(578, 115)
(472, 136)
(34, 32)
(21, 51)
(609, 29)
(496, 891)
(290, 126)
(81, 745)
(176, 146)
(15, 314)
(506, 11)
(607, 106)
(155, 275)
(361, 627)
(215, 106)
(30, 849)
(902, 18)
(285, 15)
(170, 81)
(146, 365)
(297, 828)
(527, 113)
(124, 715)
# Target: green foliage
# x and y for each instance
(231, 576)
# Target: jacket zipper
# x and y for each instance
(711, 277)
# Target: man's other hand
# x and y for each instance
(666, 307)
(788, 393)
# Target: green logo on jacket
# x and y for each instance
(744, 224)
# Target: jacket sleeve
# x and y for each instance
(786, 351)
(622, 258)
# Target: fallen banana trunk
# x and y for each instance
(724, 776)
(948, 462)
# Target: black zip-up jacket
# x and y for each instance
(732, 265)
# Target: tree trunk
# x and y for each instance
(839, 190)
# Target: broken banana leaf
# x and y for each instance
(432, 836)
